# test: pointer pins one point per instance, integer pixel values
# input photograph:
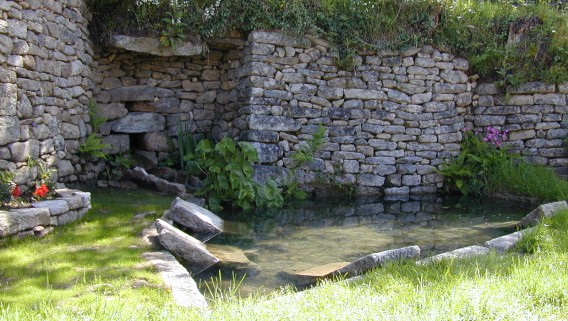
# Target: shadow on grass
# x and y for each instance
(102, 248)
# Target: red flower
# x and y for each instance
(41, 191)
(16, 192)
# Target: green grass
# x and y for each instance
(526, 179)
(77, 263)
(510, 287)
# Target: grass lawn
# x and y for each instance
(92, 270)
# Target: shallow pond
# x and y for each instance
(314, 233)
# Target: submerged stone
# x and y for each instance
(232, 257)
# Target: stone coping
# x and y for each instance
(40, 217)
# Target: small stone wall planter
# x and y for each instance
(39, 219)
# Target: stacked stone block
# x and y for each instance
(69, 206)
(45, 83)
(391, 121)
(535, 114)
(145, 98)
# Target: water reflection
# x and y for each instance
(313, 233)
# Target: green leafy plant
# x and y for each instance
(116, 165)
(173, 30)
(470, 172)
(483, 169)
(187, 142)
(304, 155)
(96, 121)
(306, 152)
(5, 186)
(94, 146)
(227, 168)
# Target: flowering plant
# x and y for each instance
(40, 192)
(480, 156)
(494, 136)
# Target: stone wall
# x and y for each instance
(144, 99)
(45, 83)
(390, 121)
(535, 114)
(38, 220)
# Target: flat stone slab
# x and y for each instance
(175, 276)
(506, 242)
(359, 266)
(187, 48)
(232, 257)
(22, 219)
(464, 252)
(544, 210)
(56, 207)
(313, 274)
(191, 250)
(199, 222)
(379, 259)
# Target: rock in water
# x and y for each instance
(199, 222)
(186, 247)
(233, 258)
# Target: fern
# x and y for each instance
(94, 146)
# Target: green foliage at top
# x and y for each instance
(476, 30)
(482, 169)
(228, 171)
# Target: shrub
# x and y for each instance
(483, 169)
(227, 168)
(476, 30)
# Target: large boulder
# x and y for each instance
(199, 222)
(191, 250)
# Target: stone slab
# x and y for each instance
(379, 259)
(313, 274)
(189, 47)
(463, 252)
(544, 210)
(233, 257)
(200, 222)
(56, 207)
(191, 250)
(175, 276)
(22, 219)
(506, 242)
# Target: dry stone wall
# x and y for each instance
(45, 84)
(534, 114)
(144, 98)
(390, 121)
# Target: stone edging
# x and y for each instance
(39, 219)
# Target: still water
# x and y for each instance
(314, 233)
